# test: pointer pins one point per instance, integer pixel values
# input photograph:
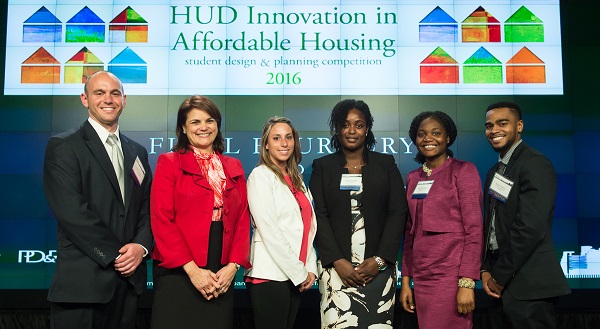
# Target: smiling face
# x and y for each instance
(432, 139)
(201, 130)
(353, 132)
(502, 129)
(280, 144)
(104, 99)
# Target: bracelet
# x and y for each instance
(380, 263)
(464, 283)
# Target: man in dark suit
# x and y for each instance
(97, 182)
(520, 269)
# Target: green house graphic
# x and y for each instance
(523, 26)
(482, 67)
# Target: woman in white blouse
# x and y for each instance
(283, 258)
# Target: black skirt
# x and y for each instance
(178, 304)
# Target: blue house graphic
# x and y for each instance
(85, 26)
(42, 26)
(129, 67)
(438, 26)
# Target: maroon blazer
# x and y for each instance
(181, 207)
(452, 205)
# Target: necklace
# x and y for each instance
(355, 167)
(427, 170)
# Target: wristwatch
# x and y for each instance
(380, 263)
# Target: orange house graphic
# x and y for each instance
(480, 26)
(40, 67)
(525, 67)
(439, 67)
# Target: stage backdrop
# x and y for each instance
(298, 59)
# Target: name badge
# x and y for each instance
(351, 182)
(500, 187)
(138, 172)
(422, 189)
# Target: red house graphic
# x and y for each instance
(439, 67)
(480, 26)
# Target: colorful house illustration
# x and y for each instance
(83, 64)
(42, 26)
(128, 26)
(482, 67)
(439, 67)
(525, 67)
(438, 26)
(129, 67)
(85, 26)
(523, 26)
(40, 67)
(480, 26)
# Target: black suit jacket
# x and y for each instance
(384, 207)
(93, 223)
(527, 267)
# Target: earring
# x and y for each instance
(184, 132)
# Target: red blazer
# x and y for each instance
(181, 206)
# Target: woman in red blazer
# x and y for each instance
(200, 221)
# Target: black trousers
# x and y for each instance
(511, 313)
(119, 313)
(274, 304)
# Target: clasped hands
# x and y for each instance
(209, 284)
(357, 276)
(130, 257)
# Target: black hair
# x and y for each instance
(442, 118)
(338, 119)
(513, 107)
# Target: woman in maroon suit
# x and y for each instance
(199, 216)
(443, 234)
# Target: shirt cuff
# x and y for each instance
(145, 250)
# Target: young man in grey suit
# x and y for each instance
(520, 270)
(97, 182)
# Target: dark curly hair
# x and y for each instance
(440, 117)
(338, 118)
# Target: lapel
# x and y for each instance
(339, 161)
(96, 147)
(232, 173)
(189, 164)
(129, 157)
(507, 173)
(513, 159)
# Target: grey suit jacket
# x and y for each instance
(93, 223)
(528, 266)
